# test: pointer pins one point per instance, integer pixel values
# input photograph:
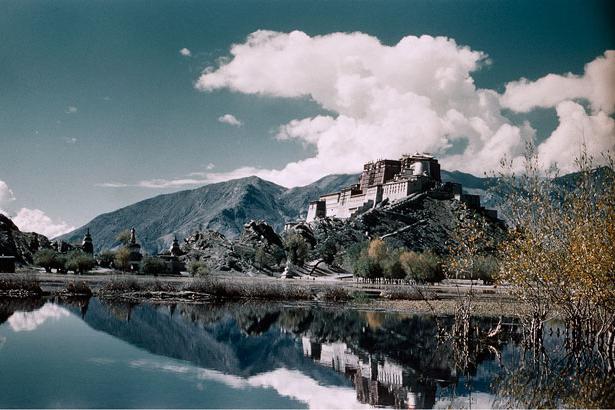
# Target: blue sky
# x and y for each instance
(99, 109)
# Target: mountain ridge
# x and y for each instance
(224, 207)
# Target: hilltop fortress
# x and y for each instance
(389, 181)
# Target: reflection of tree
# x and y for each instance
(391, 360)
(557, 375)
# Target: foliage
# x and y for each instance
(79, 262)
(106, 258)
(392, 267)
(45, 258)
(20, 282)
(124, 237)
(560, 252)
(122, 259)
(78, 288)
(327, 250)
(154, 266)
(198, 268)
(423, 267)
(296, 249)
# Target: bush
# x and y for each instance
(122, 259)
(154, 266)
(79, 262)
(19, 282)
(78, 288)
(106, 258)
(46, 258)
(336, 294)
(296, 249)
(392, 267)
(423, 267)
(366, 267)
(60, 262)
(198, 268)
(486, 269)
(327, 250)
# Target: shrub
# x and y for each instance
(46, 258)
(78, 288)
(486, 269)
(422, 267)
(336, 294)
(79, 262)
(198, 268)
(296, 249)
(120, 285)
(327, 250)
(106, 258)
(122, 259)
(19, 282)
(154, 266)
(366, 267)
(392, 267)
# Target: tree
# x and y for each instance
(45, 258)
(560, 251)
(296, 249)
(106, 258)
(79, 262)
(154, 266)
(122, 259)
(423, 267)
(124, 237)
(327, 250)
(198, 268)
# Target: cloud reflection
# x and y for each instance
(286, 382)
(29, 321)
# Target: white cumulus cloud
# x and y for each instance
(417, 95)
(35, 220)
(596, 85)
(230, 119)
(577, 129)
(6, 194)
(185, 52)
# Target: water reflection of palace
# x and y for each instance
(378, 382)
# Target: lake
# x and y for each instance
(93, 353)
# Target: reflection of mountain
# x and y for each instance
(390, 361)
(205, 336)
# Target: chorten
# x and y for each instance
(175, 249)
(135, 251)
(87, 246)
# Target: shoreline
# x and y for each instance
(438, 299)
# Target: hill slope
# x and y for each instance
(222, 207)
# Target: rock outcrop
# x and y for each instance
(213, 249)
(421, 223)
(21, 245)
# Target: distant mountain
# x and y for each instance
(222, 207)
(226, 206)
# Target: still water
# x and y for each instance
(92, 353)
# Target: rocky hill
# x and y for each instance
(224, 207)
(22, 245)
